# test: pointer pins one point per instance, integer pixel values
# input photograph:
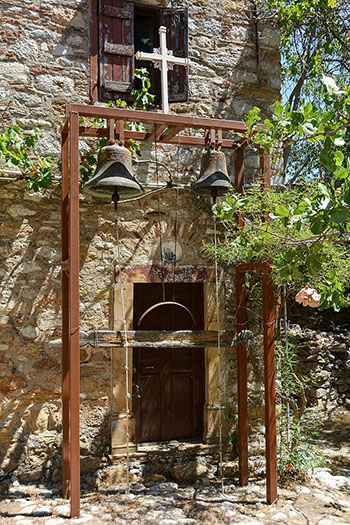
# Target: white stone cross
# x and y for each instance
(164, 60)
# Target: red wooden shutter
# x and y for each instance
(176, 22)
(116, 48)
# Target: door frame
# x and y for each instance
(131, 275)
(167, 364)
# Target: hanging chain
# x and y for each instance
(159, 223)
(219, 359)
(126, 347)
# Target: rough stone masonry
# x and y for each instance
(44, 64)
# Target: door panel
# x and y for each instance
(168, 383)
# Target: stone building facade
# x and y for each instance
(45, 63)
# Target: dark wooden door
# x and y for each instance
(168, 383)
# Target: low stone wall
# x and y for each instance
(327, 354)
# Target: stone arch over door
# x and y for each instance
(155, 274)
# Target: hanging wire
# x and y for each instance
(219, 360)
(126, 348)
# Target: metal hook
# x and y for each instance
(163, 303)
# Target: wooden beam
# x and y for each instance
(162, 339)
(183, 140)
(133, 115)
(173, 131)
(65, 315)
(241, 320)
(270, 395)
(156, 134)
(74, 319)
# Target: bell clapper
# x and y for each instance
(115, 199)
(214, 194)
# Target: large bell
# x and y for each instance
(213, 178)
(113, 175)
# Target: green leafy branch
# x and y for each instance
(305, 238)
(17, 151)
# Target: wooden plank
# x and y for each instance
(65, 316)
(270, 394)
(158, 118)
(118, 49)
(173, 131)
(161, 339)
(185, 140)
(241, 319)
(74, 318)
(156, 134)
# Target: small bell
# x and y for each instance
(213, 179)
(113, 175)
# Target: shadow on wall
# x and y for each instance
(30, 316)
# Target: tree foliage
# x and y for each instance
(303, 232)
(315, 42)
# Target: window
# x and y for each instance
(119, 29)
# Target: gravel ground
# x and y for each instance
(325, 500)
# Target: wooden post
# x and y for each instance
(241, 316)
(269, 362)
(74, 339)
(241, 319)
(65, 315)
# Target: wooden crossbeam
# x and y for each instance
(133, 115)
(165, 138)
(161, 338)
(156, 134)
(172, 132)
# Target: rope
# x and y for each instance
(219, 360)
(176, 213)
(126, 347)
(159, 223)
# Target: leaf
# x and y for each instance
(278, 107)
(341, 173)
(326, 160)
(339, 157)
(281, 211)
(339, 215)
(317, 226)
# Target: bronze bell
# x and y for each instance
(113, 175)
(213, 178)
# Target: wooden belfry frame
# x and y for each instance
(166, 129)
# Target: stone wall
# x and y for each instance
(44, 64)
(327, 355)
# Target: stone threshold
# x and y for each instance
(166, 448)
